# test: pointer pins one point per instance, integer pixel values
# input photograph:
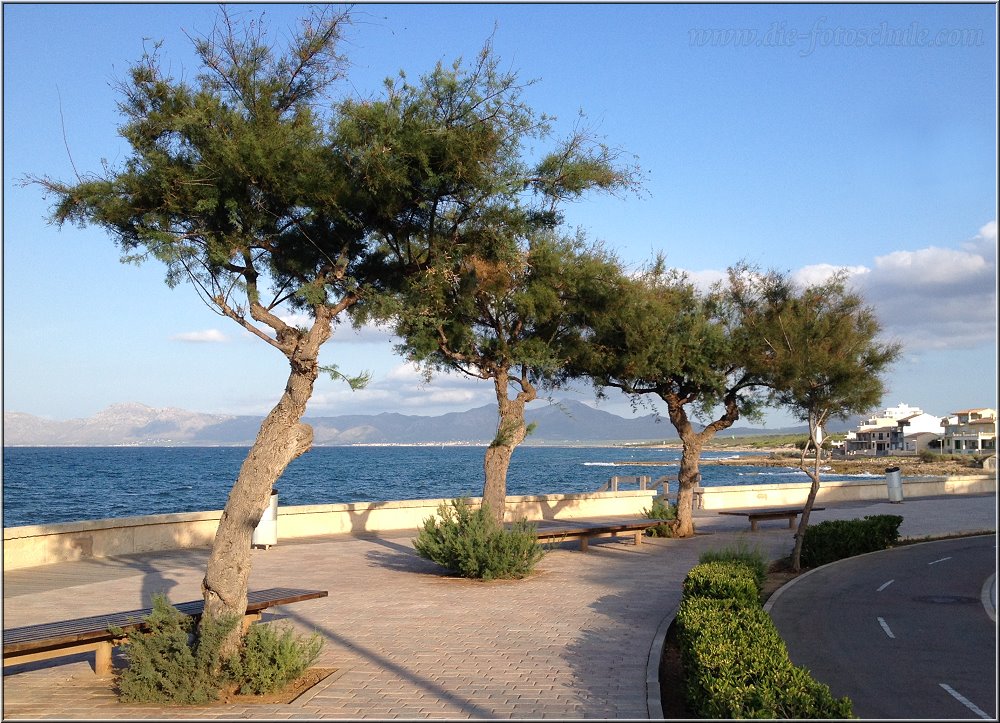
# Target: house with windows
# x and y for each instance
(970, 431)
(896, 430)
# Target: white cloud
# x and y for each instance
(819, 273)
(989, 232)
(208, 336)
(403, 389)
(937, 297)
(932, 266)
(703, 280)
(296, 319)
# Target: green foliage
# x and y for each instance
(661, 509)
(740, 553)
(836, 539)
(735, 663)
(723, 581)
(472, 544)
(170, 663)
(174, 662)
(271, 658)
(822, 357)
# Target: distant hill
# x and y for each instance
(566, 422)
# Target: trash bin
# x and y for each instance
(894, 483)
(266, 532)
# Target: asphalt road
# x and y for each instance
(903, 633)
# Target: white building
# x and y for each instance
(898, 429)
(970, 431)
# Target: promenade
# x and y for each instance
(579, 639)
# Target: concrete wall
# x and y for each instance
(788, 495)
(33, 545)
(44, 544)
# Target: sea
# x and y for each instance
(43, 485)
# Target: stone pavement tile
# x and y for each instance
(571, 641)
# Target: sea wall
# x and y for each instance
(33, 545)
(790, 494)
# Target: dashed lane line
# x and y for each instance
(885, 627)
(965, 701)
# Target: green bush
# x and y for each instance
(722, 580)
(170, 662)
(472, 544)
(271, 658)
(735, 662)
(753, 559)
(836, 539)
(174, 662)
(661, 510)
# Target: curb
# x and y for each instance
(654, 702)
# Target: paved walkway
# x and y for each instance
(581, 639)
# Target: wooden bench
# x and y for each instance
(584, 530)
(66, 637)
(757, 515)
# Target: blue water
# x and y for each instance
(61, 484)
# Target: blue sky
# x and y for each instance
(798, 137)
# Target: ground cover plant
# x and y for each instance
(661, 509)
(471, 543)
(174, 662)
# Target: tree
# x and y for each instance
(688, 348)
(515, 320)
(267, 199)
(485, 285)
(823, 360)
(231, 183)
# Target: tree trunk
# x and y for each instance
(281, 439)
(813, 473)
(687, 479)
(689, 474)
(511, 431)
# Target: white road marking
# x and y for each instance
(965, 701)
(884, 585)
(941, 560)
(885, 627)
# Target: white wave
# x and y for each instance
(600, 464)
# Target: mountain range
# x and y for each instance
(134, 424)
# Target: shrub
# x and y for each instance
(472, 544)
(723, 581)
(836, 539)
(661, 510)
(271, 658)
(735, 662)
(740, 553)
(169, 662)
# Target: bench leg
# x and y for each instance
(248, 620)
(102, 658)
(753, 524)
(638, 536)
(583, 543)
(791, 522)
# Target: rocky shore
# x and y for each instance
(908, 466)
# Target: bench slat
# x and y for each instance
(582, 527)
(80, 630)
(756, 515)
